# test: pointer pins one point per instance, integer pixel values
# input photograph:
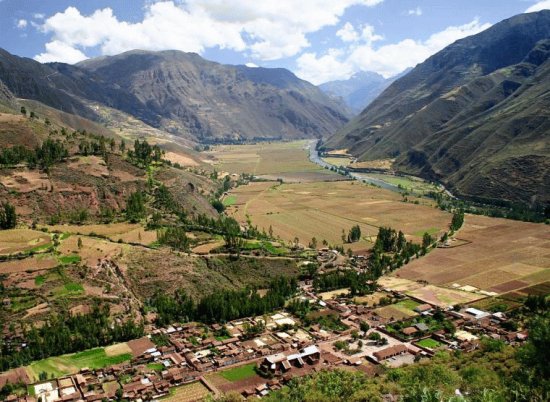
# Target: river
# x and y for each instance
(315, 158)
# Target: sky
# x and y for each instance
(318, 40)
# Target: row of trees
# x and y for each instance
(8, 217)
(67, 333)
(358, 283)
(457, 221)
(223, 305)
(42, 156)
(144, 153)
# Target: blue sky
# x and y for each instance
(319, 40)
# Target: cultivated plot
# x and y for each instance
(286, 160)
(322, 210)
(499, 256)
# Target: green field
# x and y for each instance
(155, 366)
(72, 363)
(407, 305)
(240, 373)
(39, 280)
(266, 246)
(429, 343)
(430, 231)
(69, 259)
(229, 200)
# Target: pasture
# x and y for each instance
(72, 363)
(286, 160)
(496, 256)
(323, 209)
(240, 372)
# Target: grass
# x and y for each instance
(239, 373)
(69, 259)
(229, 200)
(429, 343)
(22, 303)
(264, 245)
(41, 248)
(70, 289)
(430, 231)
(408, 304)
(72, 363)
(39, 280)
(155, 366)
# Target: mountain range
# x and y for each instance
(360, 89)
(180, 93)
(475, 116)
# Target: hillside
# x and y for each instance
(360, 89)
(439, 120)
(180, 93)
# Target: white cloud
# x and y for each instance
(365, 34)
(57, 50)
(388, 59)
(38, 16)
(415, 11)
(252, 65)
(347, 33)
(541, 5)
(22, 24)
(268, 30)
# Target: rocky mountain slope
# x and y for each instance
(360, 89)
(181, 93)
(474, 116)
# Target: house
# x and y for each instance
(421, 327)
(409, 331)
(280, 363)
(423, 308)
(477, 314)
(392, 351)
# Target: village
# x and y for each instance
(256, 355)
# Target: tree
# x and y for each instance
(122, 146)
(8, 216)
(23, 110)
(364, 326)
(426, 240)
(354, 234)
(174, 237)
(458, 220)
(313, 243)
(79, 243)
(232, 235)
(135, 207)
(218, 206)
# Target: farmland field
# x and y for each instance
(499, 256)
(126, 232)
(286, 160)
(72, 363)
(323, 209)
(436, 295)
(194, 391)
(22, 240)
(240, 373)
